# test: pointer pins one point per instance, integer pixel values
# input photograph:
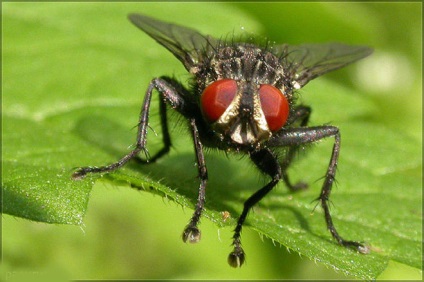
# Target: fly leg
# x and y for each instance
(191, 232)
(301, 113)
(171, 93)
(267, 162)
(166, 138)
(325, 196)
(299, 136)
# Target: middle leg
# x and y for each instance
(302, 114)
(305, 135)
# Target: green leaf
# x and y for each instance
(36, 166)
(73, 84)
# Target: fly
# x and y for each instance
(242, 99)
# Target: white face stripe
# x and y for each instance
(231, 112)
(236, 134)
(258, 115)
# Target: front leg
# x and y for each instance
(171, 93)
(191, 232)
(304, 135)
(267, 162)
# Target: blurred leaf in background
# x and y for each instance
(74, 75)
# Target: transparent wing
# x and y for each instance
(185, 43)
(309, 61)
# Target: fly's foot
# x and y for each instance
(191, 234)
(360, 248)
(236, 258)
(81, 172)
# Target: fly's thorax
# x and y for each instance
(240, 62)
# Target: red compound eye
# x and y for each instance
(274, 105)
(217, 97)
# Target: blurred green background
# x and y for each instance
(133, 235)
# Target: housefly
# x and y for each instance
(242, 99)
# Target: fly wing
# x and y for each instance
(308, 61)
(185, 43)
